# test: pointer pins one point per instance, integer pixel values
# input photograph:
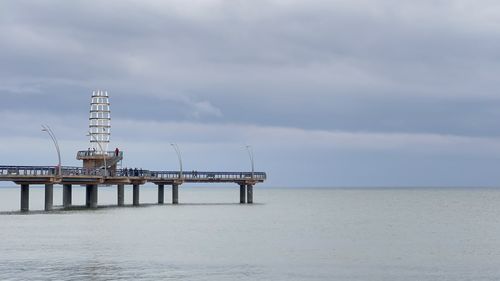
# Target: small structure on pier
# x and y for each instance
(97, 156)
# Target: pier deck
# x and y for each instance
(92, 178)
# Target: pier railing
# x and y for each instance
(195, 175)
(91, 153)
(67, 171)
(48, 171)
(27, 171)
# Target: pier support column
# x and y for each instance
(175, 194)
(242, 194)
(88, 191)
(49, 197)
(25, 197)
(161, 194)
(135, 195)
(249, 194)
(91, 196)
(120, 194)
(67, 195)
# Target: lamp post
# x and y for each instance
(48, 130)
(102, 151)
(250, 154)
(177, 150)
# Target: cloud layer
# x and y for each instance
(357, 91)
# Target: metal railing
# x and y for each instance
(196, 175)
(27, 171)
(67, 171)
(97, 153)
(47, 171)
(78, 171)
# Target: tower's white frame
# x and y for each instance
(100, 121)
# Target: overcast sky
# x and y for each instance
(328, 93)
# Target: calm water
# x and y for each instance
(292, 234)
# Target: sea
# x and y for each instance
(289, 234)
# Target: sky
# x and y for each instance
(337, 93)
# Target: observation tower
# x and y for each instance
(99, 121)
(97, 155)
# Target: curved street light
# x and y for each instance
(102, 151)
(177, 150)
(250, 154)
(48, 130)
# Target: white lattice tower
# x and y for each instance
(100, 121)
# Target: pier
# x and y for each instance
(69, 177)
(101, 167)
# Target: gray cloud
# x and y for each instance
(372, 67)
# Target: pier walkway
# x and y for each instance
(92, 178)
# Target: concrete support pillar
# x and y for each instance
(175, 194)
(161, 194)
(94, 196)
(120, 194)
(25, 197)
(242, 194)
(49, 197)
(91, 196)
(135, 195)
(88, 191)
(67, 195)
(249, 194)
